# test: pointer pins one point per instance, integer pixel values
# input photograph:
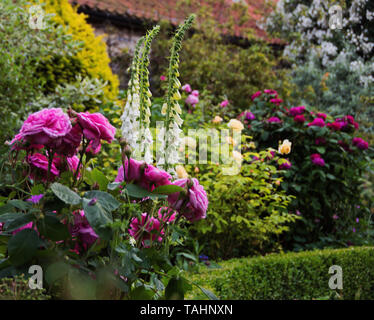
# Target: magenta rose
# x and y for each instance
(187, 88)
(194, 205)
(148, 228)
(256, 95)
(70, 143)
(322, 115)
(360, 143)
(317, 160)
(136, 171)
(271, 91)
(276, 101)
(299, 118)
(274, 120)
(296, 111)
(317, 122)
(154, 177)
(82, 230)
(39, 167)
(96, 127)
(46, 127)
(224, 103)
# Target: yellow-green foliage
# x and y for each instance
(92, 60)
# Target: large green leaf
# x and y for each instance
(52, 228)
(23, 246)
(176, 288)
(65, 194)
(106, 200)
(100, 178)
(98, 218)
(19, 204)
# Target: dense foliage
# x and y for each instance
(290, 276)
(326, 159)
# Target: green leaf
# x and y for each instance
(65, 194)
(52, 228)
(141, 293)
(176, 288)
(137, 192)
(19, 204)
(37, 189)
(99, 177)
(107, 201)
(23, 246)
(208, 293)
(98, 218)
(168, 189)
(19, 221)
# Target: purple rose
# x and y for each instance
(224, 103)
(136, 171)
(193, 205)
(39, 167)
(249, 115)
(154, 177)
(82, 230)
(285, 166)
(299, 118)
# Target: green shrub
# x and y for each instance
(326, 190)
(302, 275)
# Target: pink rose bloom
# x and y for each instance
(360, 143)
(96, 127)
(336, 125)
(276, 101)
(73, 163)
(92, 150)
(82, 230)
(299, 118)
(18, 143)
(136, 171)
(274, 120)
(249, 115)
(197, 200)
(224, 103)
(39, 167)
(154, 177)
(162, 78)
(46, 127)
(71, 142)
(317, 160)
(151, 228)
(295, 111)
(187, 88)
(270, 91)
(192, 100)
(322, 115)
(317, 122)
(255, 95)
(195, 93)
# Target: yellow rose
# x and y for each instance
(181, 172)
(285, 147)
(217, 120)
(235, 125)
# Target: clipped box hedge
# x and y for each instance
(303, 275)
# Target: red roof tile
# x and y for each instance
(156, 10)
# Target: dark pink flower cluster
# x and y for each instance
(274, 120)
(317, 122)
(360, 143)
(60, 137)
(296, 111)
(317, 160)
(285, 165)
